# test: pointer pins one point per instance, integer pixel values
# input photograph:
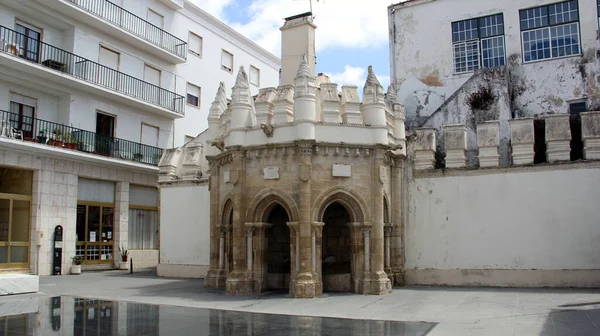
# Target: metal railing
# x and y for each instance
(30, 49)
(134, 24)
(71, 138)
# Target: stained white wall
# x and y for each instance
(500, 221)
(421, 53)
(184, 226)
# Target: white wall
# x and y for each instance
(423, 51)
(184, 228)
(498, 220)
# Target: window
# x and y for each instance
(550, 31)
(598, 12)
(155, 19)
(151, 75)
(24, 112)
(226, 61)
(478, 43)
(193, 95)
(143, 218)
(577, 107)
(254, 75)
(149, 136)
(28, 39)
(195, 44)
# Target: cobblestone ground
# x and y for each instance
(451, 311)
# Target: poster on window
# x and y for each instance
(92, 236)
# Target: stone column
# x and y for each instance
(455, 143)
(396, 205)
(294, 254)
(305, 284)
(259, 248)
(239, 280)
(213, 276)
(522, 140)
(378, 281)
(358, 256)
(387, 249)
(488, 140)
(317, 256)
(425, 147)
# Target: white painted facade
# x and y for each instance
(129, 62)
(423, 65)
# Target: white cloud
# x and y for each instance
(341, 23)
(356, 76)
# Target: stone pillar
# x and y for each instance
(264, 105)
(350, 105)
(358, 255)
(522, 140)
(121, 219)
(425, 148)
(317, 256)
(455, 143)
(558, 138)
(283, 105)
(213, 275)
(258, 248)
(396, 204)
(377, 282)
(387, 249)
(330, 103)
(305, 283)
(488, 140)
(590, 131)
(294, 255)
(239, 280)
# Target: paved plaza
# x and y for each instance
(433, 311)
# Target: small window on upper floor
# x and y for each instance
(193, 95)
(226, 61)
(478, 43)
(550, 31)
(28, 40)
(195, 44)
(254, 75)
(577, 107)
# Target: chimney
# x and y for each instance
(297, 39)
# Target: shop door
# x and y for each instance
(14, 231)
(95, 233)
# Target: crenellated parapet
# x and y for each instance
(549, 139)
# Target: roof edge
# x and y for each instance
(408, 3)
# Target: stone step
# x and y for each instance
(15, 283)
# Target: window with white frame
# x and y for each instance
(226, 61)
(478, 43)
(143, 218)
(550, 31)
(254, 75)
(193, 95)
(195, 44)
(598, 12)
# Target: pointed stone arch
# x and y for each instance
(268, 198)
(226, 210)
(353, 203)
(387, 211)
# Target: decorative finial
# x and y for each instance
(242, 78)
(391, 94)
(371, 78)
(303, 68)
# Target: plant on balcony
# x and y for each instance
(138, 157)
(42, 136)
(71, 141)
(56, 139)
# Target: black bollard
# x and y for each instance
(130, 265)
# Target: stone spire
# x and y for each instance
(391, 94)
(219, 105)
(371, 78)
(242, 108)
(241, 90)
(303, 70)
(373, 91)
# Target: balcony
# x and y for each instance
(124, 25)
(47, 133)
(25, 52)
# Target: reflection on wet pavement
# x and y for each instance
(64, 315)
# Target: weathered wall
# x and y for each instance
(421, 56)
(184, 235)
(460, 233)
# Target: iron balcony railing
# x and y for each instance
(30, 49)
(133, 24)
(71, 138)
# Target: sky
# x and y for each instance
(351, 34)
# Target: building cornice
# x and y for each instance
(232, 32)
(408, 3)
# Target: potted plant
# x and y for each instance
(123, 265)
(58, 139)
(42, 137)
(71, 142)
(138, 157)
(76, 266)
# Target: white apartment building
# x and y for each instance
(546, 50)
(91, 93)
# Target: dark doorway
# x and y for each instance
(105, 132)
(337, 249)
(278, 254)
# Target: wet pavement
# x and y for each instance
(64, 315)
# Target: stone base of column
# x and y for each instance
(239, 283)
(215, 278)
(306, 287)
(380, 284)
(591, 148)
(558, 150)
(399, 277)
(522, 154)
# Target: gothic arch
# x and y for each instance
(353, 203)
(226, 209)
(265, 200)
(387, 211)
